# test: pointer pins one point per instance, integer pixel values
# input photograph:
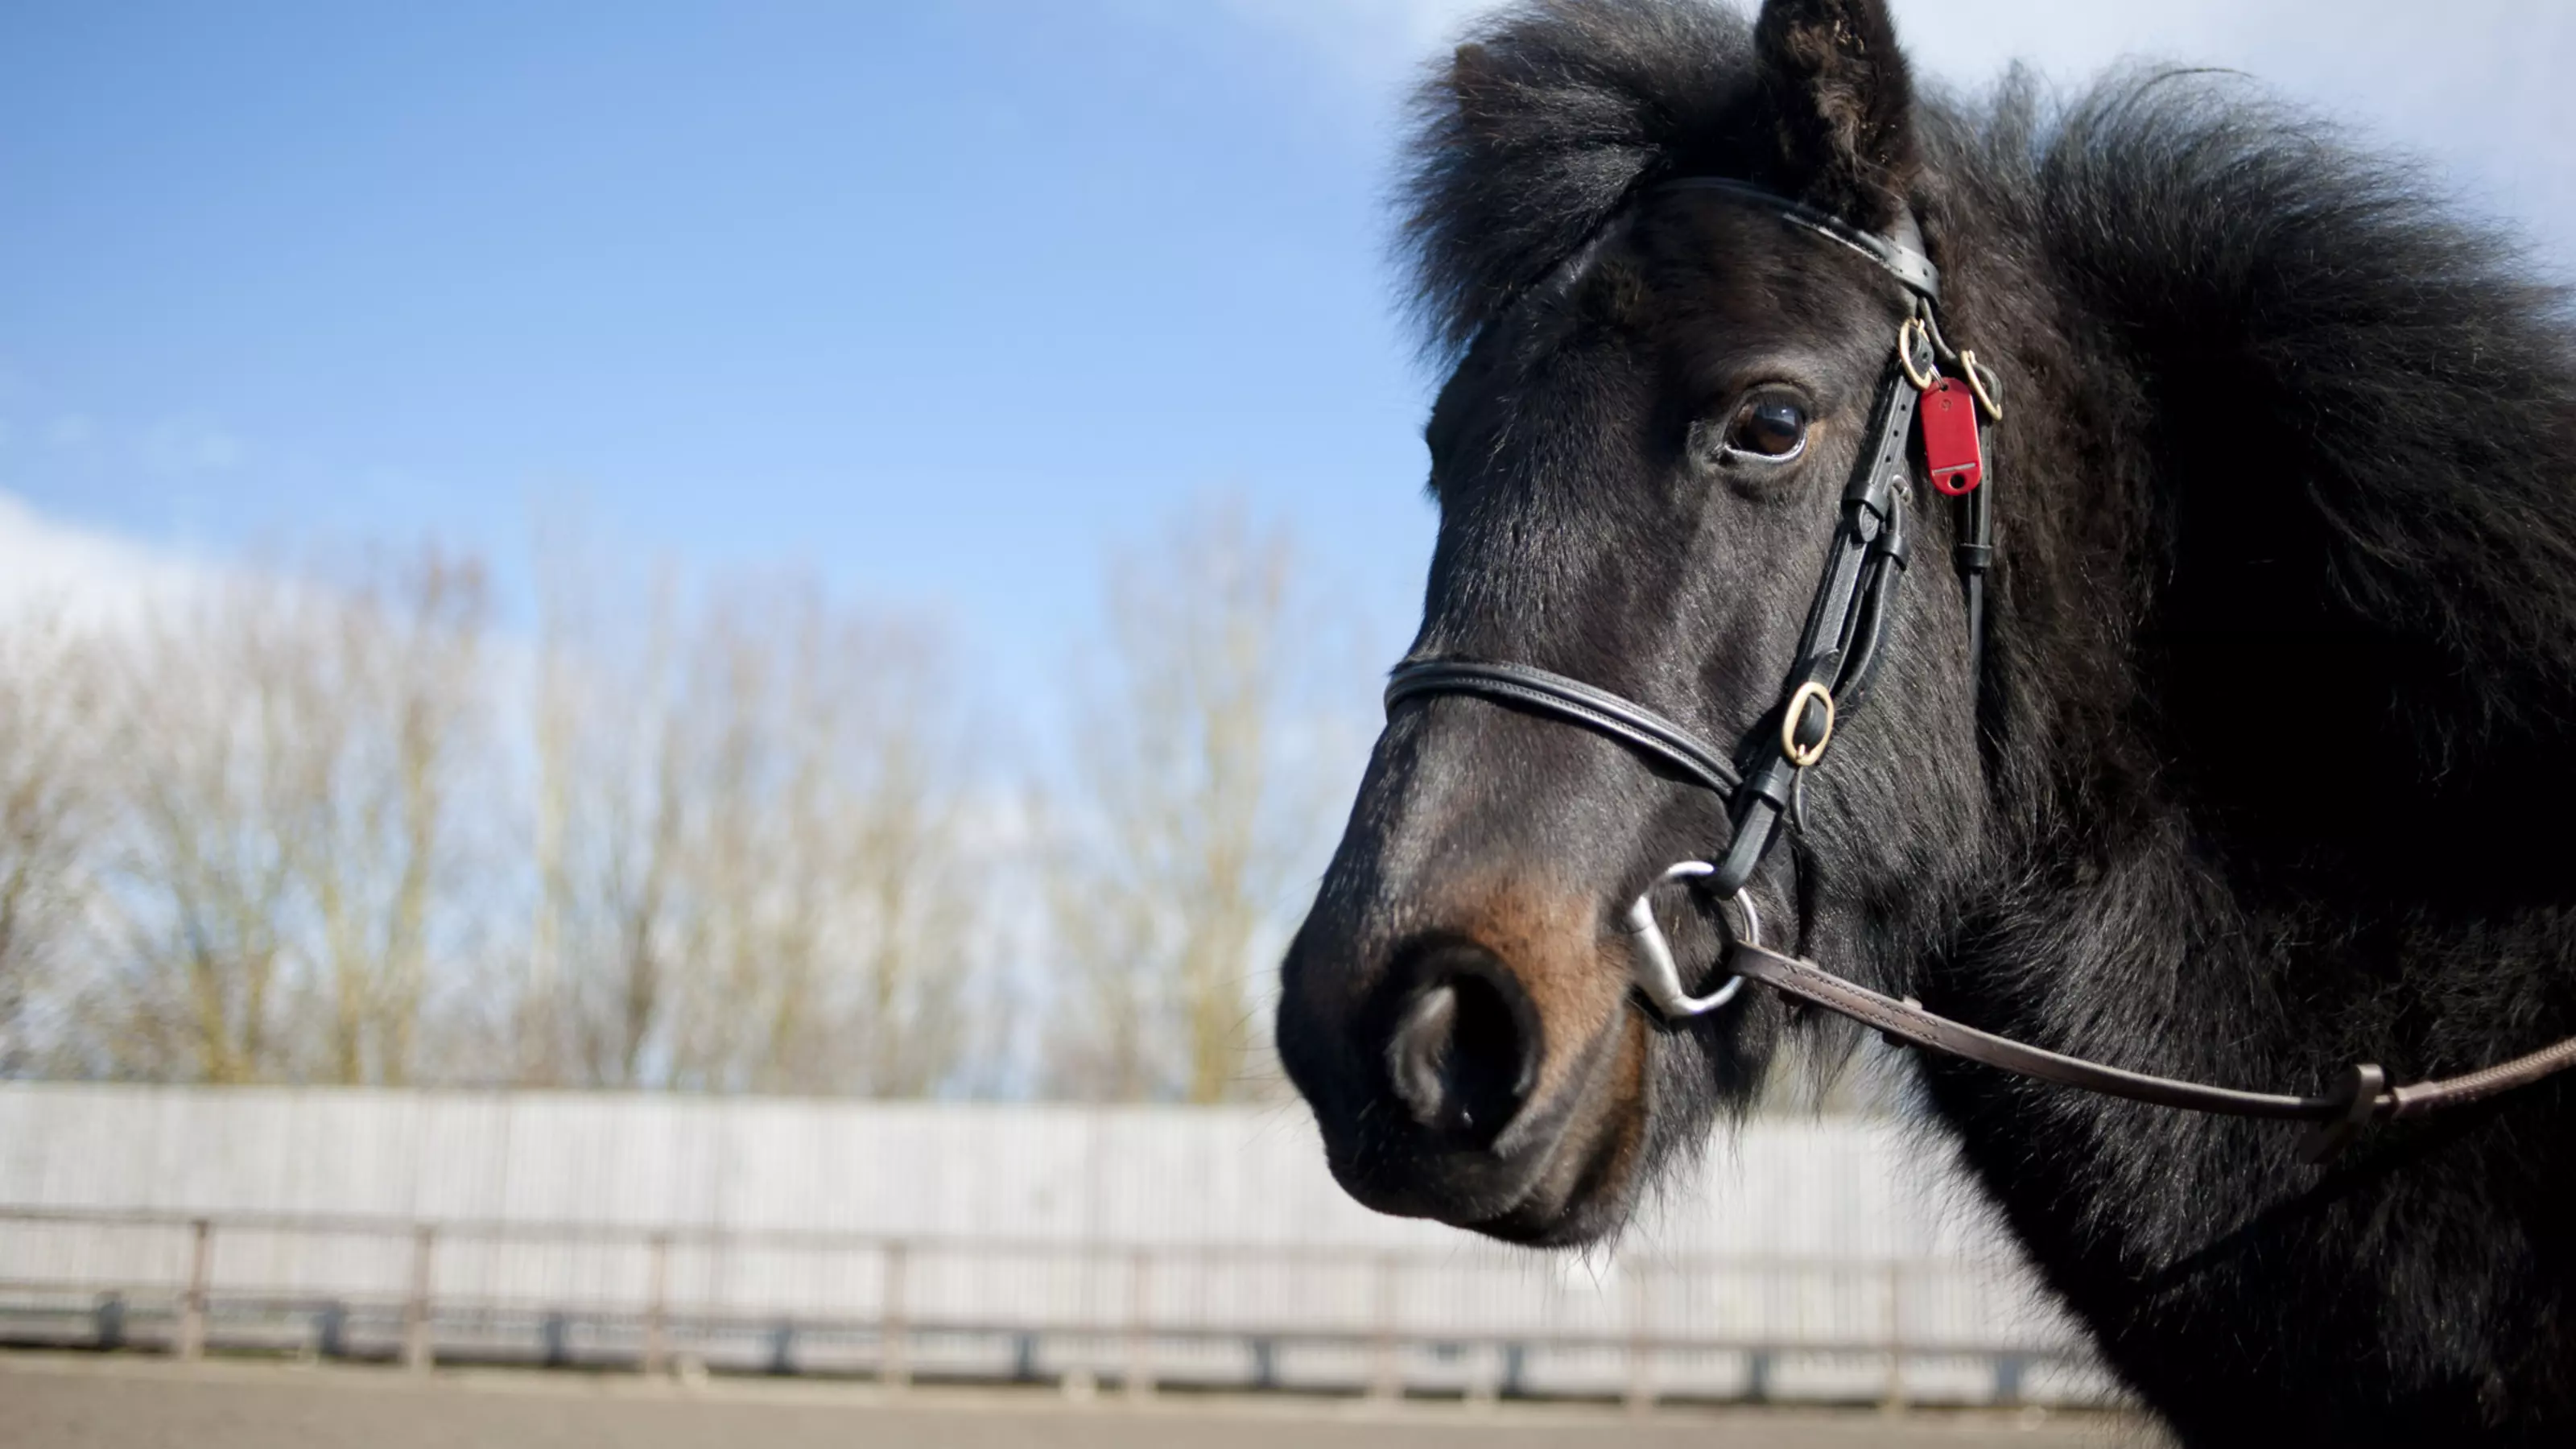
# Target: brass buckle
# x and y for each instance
(1906, 333)
(1804, 755)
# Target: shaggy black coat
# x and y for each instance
(2279, 713)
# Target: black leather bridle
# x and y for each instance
(1847, 618)
(1830, 674)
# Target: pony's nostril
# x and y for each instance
(1418, 1055)
(1459, 1058)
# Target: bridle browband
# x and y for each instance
(1829, 676)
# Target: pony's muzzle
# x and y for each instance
(1479, 1068)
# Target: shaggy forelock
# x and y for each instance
(1541, 127)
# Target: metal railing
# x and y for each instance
(1478, 1322)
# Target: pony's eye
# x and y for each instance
(1769, 425)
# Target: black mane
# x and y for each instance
(2411, 365)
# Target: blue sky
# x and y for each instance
(934, 299)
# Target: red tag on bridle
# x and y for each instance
(1948, 413)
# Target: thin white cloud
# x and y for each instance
(83, 576)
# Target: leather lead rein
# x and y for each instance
(1837, 656)
(2365, 1097)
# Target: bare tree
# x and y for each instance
(399, 685)
(721, 840)
(49, 814)
(827, 914)
(217, 729)
(913, 905)
(747, 832)
(1184, 825)
(608, 794)
(278, 853)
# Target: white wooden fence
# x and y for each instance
(1145, 1246)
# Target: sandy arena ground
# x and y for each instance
(50, 1401)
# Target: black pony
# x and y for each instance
(2265, 770)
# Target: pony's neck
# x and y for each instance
(2241, 911)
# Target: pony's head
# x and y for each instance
(1660, 395)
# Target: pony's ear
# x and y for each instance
(1837, 85)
